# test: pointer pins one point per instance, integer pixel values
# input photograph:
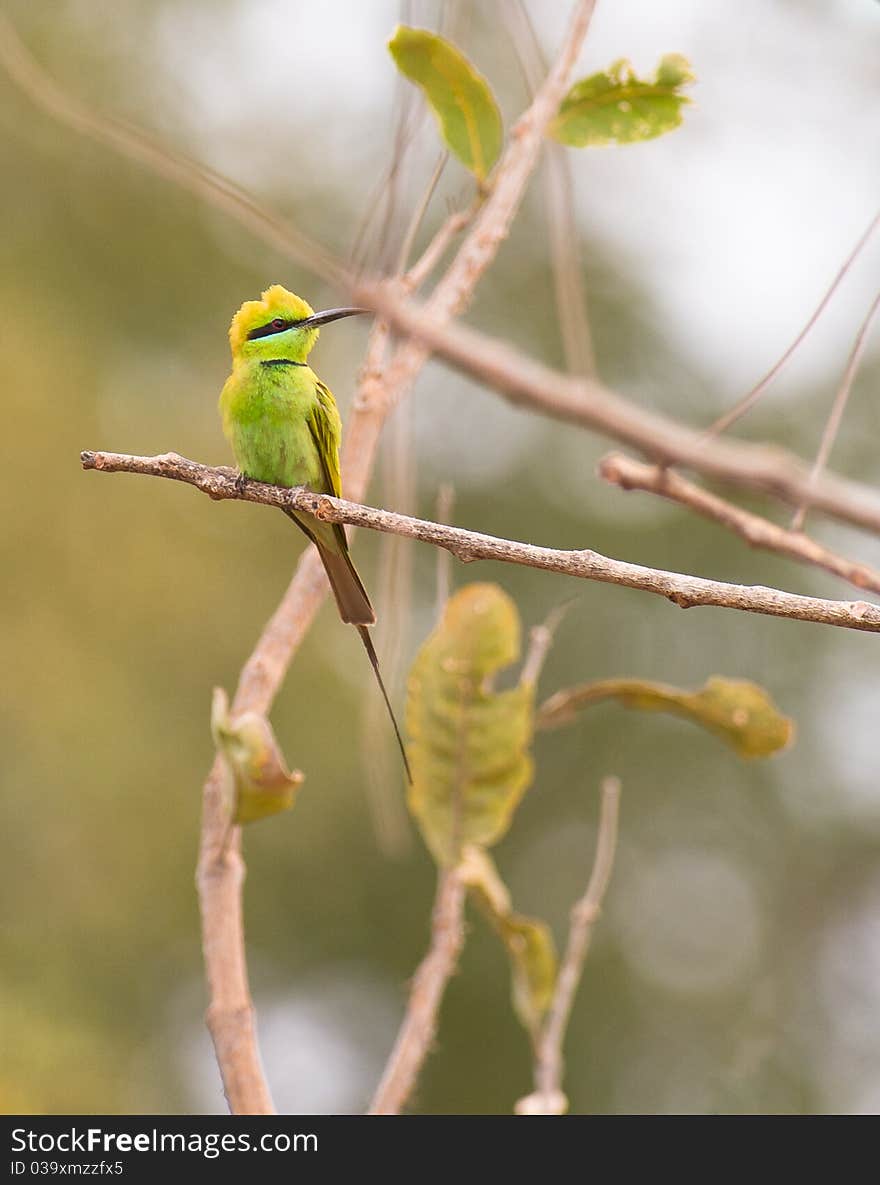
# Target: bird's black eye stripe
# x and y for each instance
(277, 325)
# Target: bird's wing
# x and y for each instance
(325, 426)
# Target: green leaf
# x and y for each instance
(460, 97)
(469, 743)
(616, 107)
(739, 712)
(529, 941)
(262, 782)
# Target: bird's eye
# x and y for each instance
(278, 323)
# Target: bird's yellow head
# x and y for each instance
(279, 325)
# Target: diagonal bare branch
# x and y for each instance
(139, 146)
(684, 591)
(838, 407)
(756, 531)
(526, 382)
(426, 994)
(749, 400)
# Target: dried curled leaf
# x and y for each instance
(739, 712)
(469, 743)
(529, 941)
(460, 97)
(263, 783)
(617, 107)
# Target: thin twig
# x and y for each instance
(684, 591)
(423, 1007)
(548, 1098)
(750, 399)
(540, 640)
(383, 200)
(492, 223)
(418, 217)
(139, 146)
(838, 407)
(393, 599)
(562, 228)
(409, 118)
(387, 811)
(526, 382)
(753, 528)
(565, 251)
(427, 262)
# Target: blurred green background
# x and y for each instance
(737, 966)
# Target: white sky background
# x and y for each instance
(736, 222)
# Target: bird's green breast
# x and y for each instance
(265, 412)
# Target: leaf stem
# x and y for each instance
(548, 1098)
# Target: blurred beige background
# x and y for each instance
(737, 967)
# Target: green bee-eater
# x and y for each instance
(284, 428)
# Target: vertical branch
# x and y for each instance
(571, 300)
(562, 228)
(230, 1017)
(492, 223)
(415, 223)
(549, 1098)
(372, 247)
(429, 983)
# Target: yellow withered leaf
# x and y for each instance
(460, 97)
(529, 941)
(469, 743)
(263, 784)
(739, 712)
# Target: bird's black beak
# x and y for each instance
(327, 316)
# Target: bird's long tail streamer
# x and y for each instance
(371, 654)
